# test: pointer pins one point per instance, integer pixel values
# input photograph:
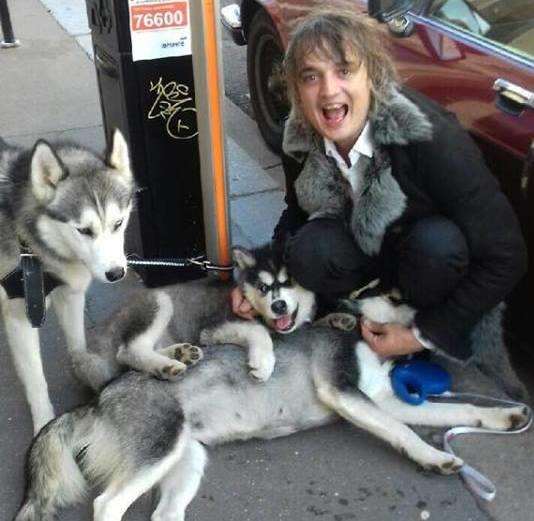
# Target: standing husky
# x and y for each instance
(70, 207)
(148, 333)
(143, 432)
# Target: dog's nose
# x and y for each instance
(115, 274)
(279, 307)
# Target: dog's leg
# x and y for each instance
(69, 305)
(250, 335)
(363, 413)
(24, 343)
(437, 414)
(117, 497)
(141, 336)
(181, 483)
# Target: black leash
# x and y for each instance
(30, 282)
(199, 262)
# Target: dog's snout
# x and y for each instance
(115, 274)
(279, 307)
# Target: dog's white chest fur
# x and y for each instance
(374, 380)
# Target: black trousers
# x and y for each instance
(425, 262)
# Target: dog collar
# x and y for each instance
(30, 282)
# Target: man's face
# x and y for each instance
(334, 97)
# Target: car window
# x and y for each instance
(506, 23)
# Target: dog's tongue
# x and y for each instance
(283, 323)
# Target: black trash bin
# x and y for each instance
(153, 103)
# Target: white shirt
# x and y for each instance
(362, 147)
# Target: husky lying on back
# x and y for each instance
(70, 207)
(150, 332)
(144, 432)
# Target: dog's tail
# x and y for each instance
(136, 422)
(63, 460)
(54, 478)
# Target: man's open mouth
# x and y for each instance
(335, 113)
(285, 323)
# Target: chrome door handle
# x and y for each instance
(514, 93)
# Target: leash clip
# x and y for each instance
(207, 265)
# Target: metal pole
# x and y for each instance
(209, 88)
(7, 28)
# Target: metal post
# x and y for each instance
(209, 88)
(7, 28)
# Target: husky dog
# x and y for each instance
(150, 333)
(71, 208)
(144, 432)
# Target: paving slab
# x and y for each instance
(257, 214)
(70, 15)
(48, 84)
(245, 175)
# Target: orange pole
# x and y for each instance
(212, 70)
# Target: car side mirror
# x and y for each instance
(386, 10)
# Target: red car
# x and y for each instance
(474, 57)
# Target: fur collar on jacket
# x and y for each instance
(321, 188)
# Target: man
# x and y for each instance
(381, 182)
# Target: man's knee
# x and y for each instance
(324, 257)
(436, 240)
(433, 258)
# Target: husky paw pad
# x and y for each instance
(171, 371)
(188, 354)
(518, 419)
(341, 321)
(452, 466)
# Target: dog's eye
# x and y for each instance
(86, 231)
(117, 225)
(264, 289)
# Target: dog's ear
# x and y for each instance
(243, 257)
(119, 157)
(47, 171)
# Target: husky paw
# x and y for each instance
(188, 354)
(446, 464)
(451, 466)
(261, 366)
(504, 419)
(170, 371)
(518, 417)
(342, 321)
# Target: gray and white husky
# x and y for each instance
(152, 332)
(143, 432)
(70, 207)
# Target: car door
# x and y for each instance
(476, 58)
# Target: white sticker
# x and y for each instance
(159, 28)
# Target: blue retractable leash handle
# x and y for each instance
(415, 381)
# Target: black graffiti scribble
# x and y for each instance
(176, 107)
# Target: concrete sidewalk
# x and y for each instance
(335, 473)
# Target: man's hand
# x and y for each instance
(388, 340)
(240, 305)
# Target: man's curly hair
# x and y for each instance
(340, 34)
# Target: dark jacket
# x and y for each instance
(424, 164)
